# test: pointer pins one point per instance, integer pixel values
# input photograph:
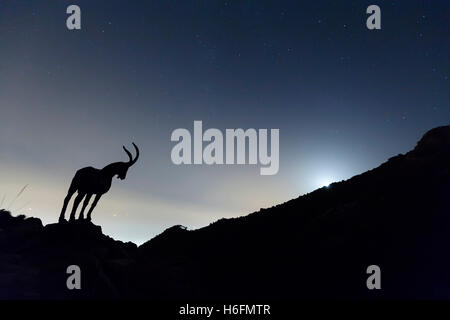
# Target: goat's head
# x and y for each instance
(122, 174)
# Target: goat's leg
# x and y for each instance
(85, 203)
(66, 202)
(94, 203)
(75, 205)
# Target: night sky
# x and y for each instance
(345, 99)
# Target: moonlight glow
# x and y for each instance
(325, 182)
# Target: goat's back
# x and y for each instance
(91, 180)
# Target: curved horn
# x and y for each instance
(137, 154)
(128, 153)
(132, 161)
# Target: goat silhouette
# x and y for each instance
(89, 181)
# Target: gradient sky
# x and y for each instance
(344, 98)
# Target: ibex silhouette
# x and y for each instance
(89, 181)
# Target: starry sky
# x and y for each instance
(345, 99)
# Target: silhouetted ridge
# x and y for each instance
(319, 245)
(435, 140)
(8, 222)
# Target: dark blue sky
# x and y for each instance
(344, 98)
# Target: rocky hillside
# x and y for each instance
(319, 245)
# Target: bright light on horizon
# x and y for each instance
(325, 182)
